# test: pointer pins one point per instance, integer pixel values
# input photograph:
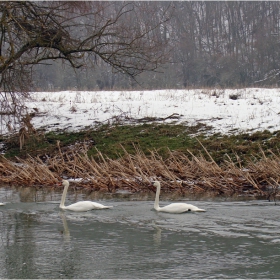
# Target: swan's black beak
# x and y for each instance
(152, 187)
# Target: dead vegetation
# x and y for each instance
(179, 172)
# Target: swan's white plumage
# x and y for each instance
(81, 205)
(174, 208)
(2, 204)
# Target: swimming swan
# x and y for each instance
(2, 204)
(175, 208)
(81, 205)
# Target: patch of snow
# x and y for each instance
(226, 111)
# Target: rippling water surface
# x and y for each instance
(236, 239)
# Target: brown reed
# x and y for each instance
(186, 173)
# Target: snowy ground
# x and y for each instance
(226, 111)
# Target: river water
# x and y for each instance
(233, 239)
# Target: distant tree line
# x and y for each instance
(219, 43)
(63, 44)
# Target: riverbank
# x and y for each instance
(126, 152)
(114, 158)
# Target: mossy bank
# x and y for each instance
(112, 140)
(187, 160)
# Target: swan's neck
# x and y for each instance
(63, 196)
(156, 204)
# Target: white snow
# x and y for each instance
(226, 110)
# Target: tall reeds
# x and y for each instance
(186, 173)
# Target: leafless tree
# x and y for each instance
(125, 35)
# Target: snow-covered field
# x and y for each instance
(226, 111)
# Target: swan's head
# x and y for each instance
(156, 184)
(65, 183)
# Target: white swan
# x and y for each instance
(81, 205)
(2, 204)
(175, 208)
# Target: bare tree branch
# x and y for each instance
(124, 35)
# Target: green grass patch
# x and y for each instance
(109, 140)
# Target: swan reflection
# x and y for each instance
(66, 232)
(157, 234)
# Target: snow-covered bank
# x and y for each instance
(226, 111)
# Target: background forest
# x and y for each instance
(221, 44)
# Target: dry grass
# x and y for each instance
(185, 174)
